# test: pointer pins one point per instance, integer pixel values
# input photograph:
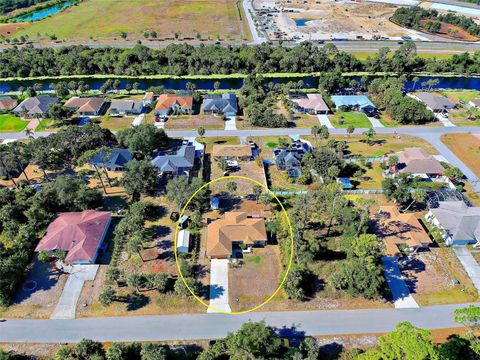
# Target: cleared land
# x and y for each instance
(466, 147)
(105, 20)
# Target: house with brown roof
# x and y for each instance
(418, 162)
(89, 106)
(234, 231)
(148, 98)
(168, 103)
(7, 103)
(310, 103)
(80, 234)
(232, 152)
(400, 231)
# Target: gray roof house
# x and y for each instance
(115, 162)
(290, 161)
(434, 103)
(460, 224)
(224, 104)
(177, 164)
(126, 107)
(35, 106)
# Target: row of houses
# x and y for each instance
(94, 106)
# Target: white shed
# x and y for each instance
(183, 241)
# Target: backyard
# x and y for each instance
(106, 20)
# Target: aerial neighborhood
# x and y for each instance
(251, 179)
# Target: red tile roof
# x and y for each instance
(166, 101)
(78, 233)
(7, 104)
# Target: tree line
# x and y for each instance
(184, 59)
(430, 20)
(10, 5)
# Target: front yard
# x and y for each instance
(12, 123)
(343, 119)
(193, 122)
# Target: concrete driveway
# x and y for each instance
(230, 123)
(400, 293)
(67, 304)
(324, 120)
(219, 285)
(469, 264)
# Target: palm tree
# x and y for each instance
(418, 195)
(415, 81)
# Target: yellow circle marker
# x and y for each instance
(290, 261)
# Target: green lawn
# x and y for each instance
(11, 123)
(461, 95)
(358, 120)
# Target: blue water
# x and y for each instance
(459, 82)
(301, 22)
(42, 14)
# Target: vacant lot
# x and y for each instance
(193, 122)
(466, 147)
(345, 119)
(253, 282)
(105, 20)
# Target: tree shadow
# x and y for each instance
(292, 333)
(215, 291)
(137, 301)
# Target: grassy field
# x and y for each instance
(358, 120)
(466, 147)
(11, 123)
(107, 19)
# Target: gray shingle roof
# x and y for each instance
(118, 157)
(184, 158)
(225, 103)
(35, 105)
(461, 221)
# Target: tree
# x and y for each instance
(179, 191)
(405, 342)
(253, 341)
(121, 351)
(112, 274)
(143, 139)
(107, 296)
(139, 177)
(216, 85)
(180, 289)
(454, 174)
(257, 191)
(201, 131)
(161, 282)
(418, 196)
(369, 136)
(123, 35)
(86, 349)
(295, 284)
(350, 129)
(222, 164)
(136, 281)
(469, 317)
(231, 186)
(153, 352)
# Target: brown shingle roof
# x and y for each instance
(93, 104)
(166, 101)
(231, 150)
(7, 104)
(401, 229)
(235, 226)
(418, 161)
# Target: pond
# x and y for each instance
(301, 22)
(457, 82)
(43, 13)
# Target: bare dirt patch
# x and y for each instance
(453, 32)
(256, 279)
(192, 122)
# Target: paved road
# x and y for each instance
(249, 11)
(213, 326)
